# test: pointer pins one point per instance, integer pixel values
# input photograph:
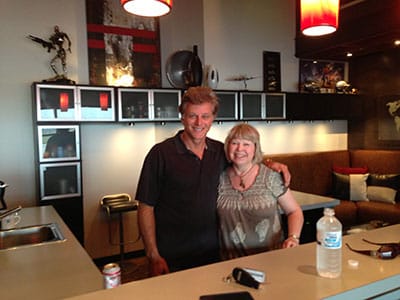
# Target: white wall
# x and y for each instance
(231, 35)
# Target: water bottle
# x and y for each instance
(329, 245)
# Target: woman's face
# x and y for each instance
(241, 151)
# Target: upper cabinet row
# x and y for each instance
(79, 103)
(70, 103)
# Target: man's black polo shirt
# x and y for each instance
(183, 191)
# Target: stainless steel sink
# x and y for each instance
(30, 236)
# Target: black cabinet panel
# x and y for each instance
(302, 106)
(71, 211)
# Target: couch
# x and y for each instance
(315, 172)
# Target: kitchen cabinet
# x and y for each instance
(228, 105)
(262, 106)
(69, 103)
(304, 106)
(57, 145)
(96, 104)
(143, 105)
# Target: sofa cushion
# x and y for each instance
(381, 194)
(350, 170)
(352, 187)
(388, 180)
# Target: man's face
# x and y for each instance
(197, 120)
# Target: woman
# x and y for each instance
(249, 197)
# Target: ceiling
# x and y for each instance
(365, 27)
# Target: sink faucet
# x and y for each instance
(9, 212)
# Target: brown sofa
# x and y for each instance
(312, 172)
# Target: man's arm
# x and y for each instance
(280, 168)
(147, 229)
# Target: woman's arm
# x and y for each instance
(294, 216)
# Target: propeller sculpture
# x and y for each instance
(243, 78)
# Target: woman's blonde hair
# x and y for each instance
(246, 132)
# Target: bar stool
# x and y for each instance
(117, 204)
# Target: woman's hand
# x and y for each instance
(291, 242)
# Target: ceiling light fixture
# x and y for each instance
(319, 17)
(147, 8)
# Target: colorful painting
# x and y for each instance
(123, 49)
(320, 76)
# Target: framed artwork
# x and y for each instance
(320, 76)
(389, 117)
(272, 71)
(123, 49)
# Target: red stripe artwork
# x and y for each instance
(123, 49)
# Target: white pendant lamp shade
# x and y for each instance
(319, 17)
(147, 8)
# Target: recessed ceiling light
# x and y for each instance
(349, 54)
(397, 42)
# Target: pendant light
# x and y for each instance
(319, 17)
(147, 8)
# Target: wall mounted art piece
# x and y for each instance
(272, 71)
(388, 117)
(320, 76)
(123, 49)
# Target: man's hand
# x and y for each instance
(158, 266)
(281, 168)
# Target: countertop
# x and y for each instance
(48, 271)
(290, 273)
(309, 201)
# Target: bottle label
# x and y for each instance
(332, 240)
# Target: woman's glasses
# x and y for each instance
(385, 251)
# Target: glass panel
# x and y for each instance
(134, 104)
(166, 104)
(56, 103)
(227, 106)
(275, 106)
(60, 180)
(58, 143)
(251, 104)
(96, 104)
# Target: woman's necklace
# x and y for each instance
(241, 176)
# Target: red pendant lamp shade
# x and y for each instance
(147, 8)
(319, 17)
(64, 101)
(104, 101)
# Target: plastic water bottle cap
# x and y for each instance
(353, 263)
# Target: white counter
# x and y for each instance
(311, 201)
(49, 271)
(290, 273)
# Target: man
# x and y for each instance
(177, 190)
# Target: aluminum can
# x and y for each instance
(111, 275)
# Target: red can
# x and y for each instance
(112, 275)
